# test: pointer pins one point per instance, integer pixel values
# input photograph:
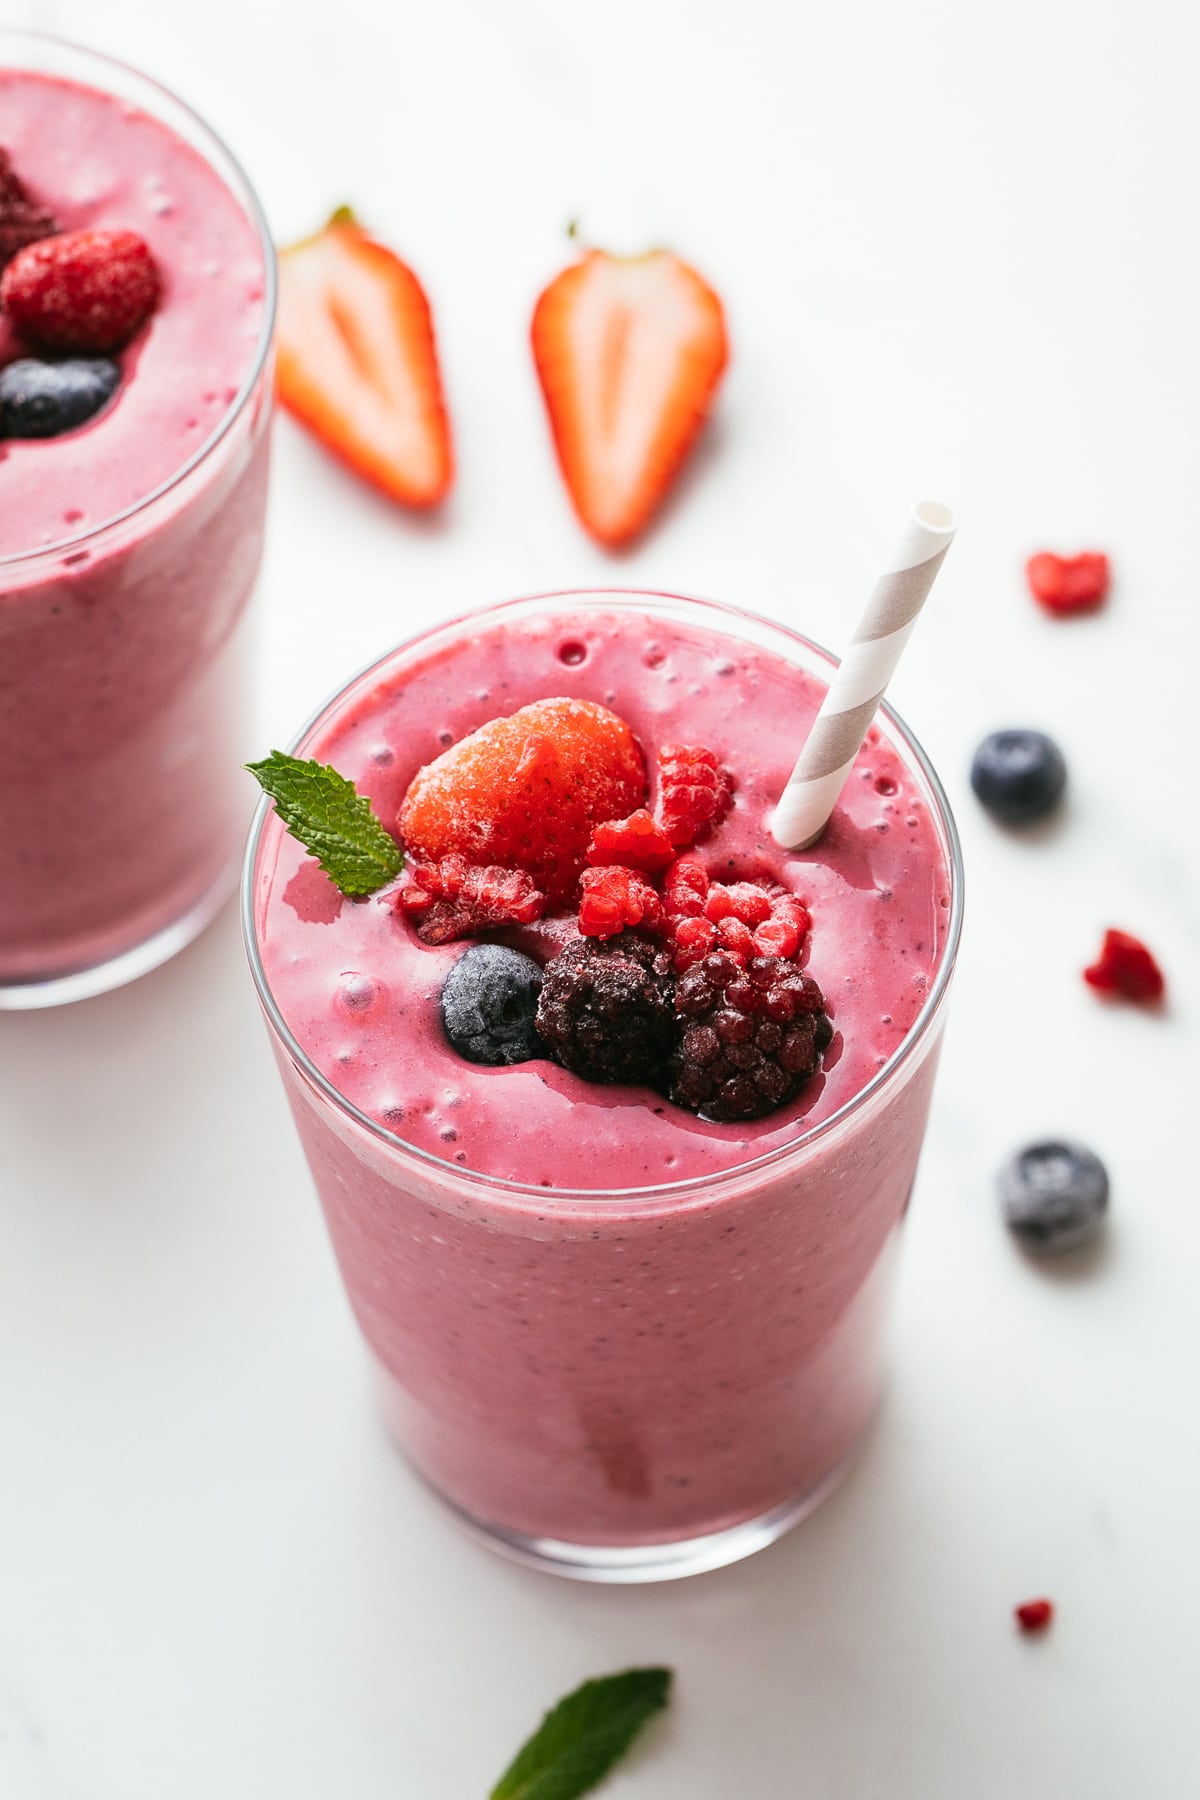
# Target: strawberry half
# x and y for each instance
(358, 363)
(629, 351)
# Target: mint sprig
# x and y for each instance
(578, 1742)
(332, 820)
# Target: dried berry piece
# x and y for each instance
(1068, 584)
(694, 792)
(752, 1036)
(455, 899)
(615, 898)
(1034, 1615)
(1125, 967)
(606, 1010)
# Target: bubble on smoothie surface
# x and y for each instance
(356, 993)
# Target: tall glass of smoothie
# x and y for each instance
(622, 1334)
(130, 543)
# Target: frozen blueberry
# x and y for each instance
(1019, 776)
(1054, 1195)
(489, 1003)
(42, 399)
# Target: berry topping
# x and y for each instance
(527, 791)
(1018, 776)
(694, 792)
(489, 1004)
(743, 917)
(1054, 1195)
(82, 290)
(1068, 584)
(637, 842)
(1034, 1615)
(606, 1010)
(752, 1036)
(1125, 967)
(614, 898)
(22, 220)
(453, 898)
(44, 399)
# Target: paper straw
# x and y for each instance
(859, 683)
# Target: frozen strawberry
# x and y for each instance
(694, 792)
(22, 219)
(455, 899)
(635, 842)
(527, 791)
(358, 363)
(82, 290)
(1125, 967)
(629, 351)
(616, 897)
(1068, 584)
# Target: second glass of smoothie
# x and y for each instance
(620, 1340)
(129, 546)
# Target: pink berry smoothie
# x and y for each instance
(129, 548)
(604, 1322)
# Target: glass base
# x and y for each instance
(628, 1563)
(100, 978)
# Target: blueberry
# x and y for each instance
(1054, 1195)
(1019, 776)
(42, 399)
(489, 1003)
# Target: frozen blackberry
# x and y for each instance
(489, 1001)
(751, 1036)
(607, 1009)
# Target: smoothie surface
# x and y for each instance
(360, 991)
(97, 162)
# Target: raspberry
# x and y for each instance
(636, 842)
(1126, 967)
(752, 1036)
(81, 290)
(614, 898)
(694, 792)
(527, 791)
(22, 220)
(743, 901)
(743, 917)
(606, 1010)
(685, 889)
(1068, 584)
(1034, 1615)
(454, 899)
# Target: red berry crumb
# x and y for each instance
(615, 897)
(1126, 967)
(454, 899)
(82, 290)
(1068, 584)
(22, 220)
(637, 842)
(694, 792)
(1034, 1615)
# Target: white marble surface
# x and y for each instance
(957, 247)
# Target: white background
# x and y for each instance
(957, 246)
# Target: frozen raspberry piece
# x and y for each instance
(454, 899)
(81, 290)
(614, 898)
(22, 220)
(606, 1011)
(752, 1036)
(1068, 584)
(1034, 1615)
(685, 889)
(694, 938)
(636, 842)
(1126, 967)
(694, 792)
(743, 900)
(527, 791)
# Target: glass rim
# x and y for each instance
(552, 1198)
(253, 207)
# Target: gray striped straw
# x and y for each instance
(862, 676)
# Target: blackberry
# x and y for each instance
(606, 1009)
(751, 1036)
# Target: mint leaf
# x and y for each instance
(332, 820)
(587, 1732)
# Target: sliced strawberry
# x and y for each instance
(358, 363)
(629, 351)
